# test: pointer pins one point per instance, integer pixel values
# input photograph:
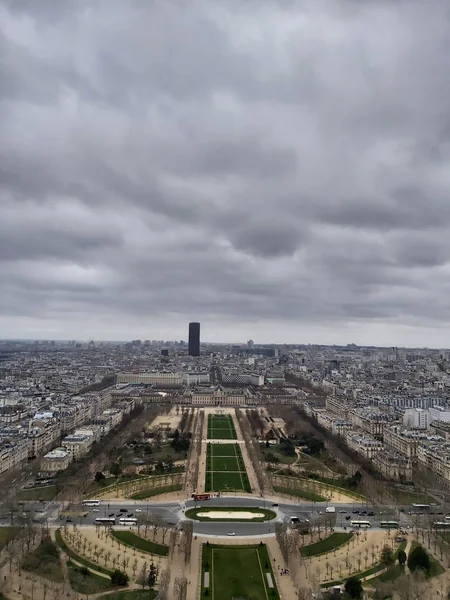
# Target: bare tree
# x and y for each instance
(180, 588)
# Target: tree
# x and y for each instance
(419, 560)
(119, 578)
(152, 575)
(387, 558)
(99, 476)
(115, 469)
(402, 557)
(354, 588)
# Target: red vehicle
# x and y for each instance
(197, 497)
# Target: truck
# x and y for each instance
(330, 509)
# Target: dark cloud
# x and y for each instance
(278, 170)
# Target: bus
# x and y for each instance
(420, 506)
(91, 502)
(127, 521)
(105, 521)
(360, 524)
(442, 524)
(389, 524)
(197, 497)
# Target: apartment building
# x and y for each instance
(393, 466)
(55, 461)
(436, 457)
(42, 436)
(364, 445)
(12, 453)
(403, 441)
(77, 445)
(440, 428)
(107, 420)
(416, 418)
(337, 406)
(440, 413)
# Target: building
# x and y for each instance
(77, 445)
(416, 418)
(55, 461)
(194, 339)
(440, 413)
(393, 466)
(162, 379)
(403, 442)
(12, 453)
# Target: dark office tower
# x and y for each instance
(194, 339)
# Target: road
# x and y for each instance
(173, 513)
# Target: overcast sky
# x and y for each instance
(276, 170)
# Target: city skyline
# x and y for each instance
(285, 181)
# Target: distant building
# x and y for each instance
(416, 418)
(55, 461)
(194, 339)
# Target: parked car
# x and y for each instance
(371, 514)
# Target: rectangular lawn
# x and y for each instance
(221, 428)
(237, 572)
(225, 469)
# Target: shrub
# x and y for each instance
(119, 578)
(419, 560)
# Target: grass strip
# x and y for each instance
(80, 559)
(86, 583)
(328, 544)
(142, 495)
(375, 569)
(305, 494)
(131, 595)
(135, 541)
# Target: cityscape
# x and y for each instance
(331, 462)
(224, 314)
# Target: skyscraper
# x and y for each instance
(194, 339)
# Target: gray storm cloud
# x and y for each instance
(276, 170)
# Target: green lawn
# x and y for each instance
(132, 595)
(224, 463)
(406, 497)
(237, 572)
(87, 583)
(391, 574)
(81, 559)
(131, 539)
(333, 541)
(375, 569)
(305, 494)
(143, 494)
(225, 469)
(221, 428)
(268, 514)
(46, 493)
(223, 481)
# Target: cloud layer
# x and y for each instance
(276, 170)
